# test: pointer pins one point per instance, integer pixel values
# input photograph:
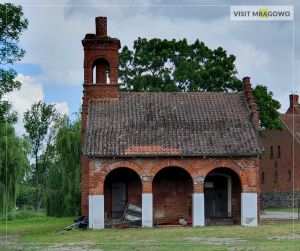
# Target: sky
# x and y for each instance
(52, 69)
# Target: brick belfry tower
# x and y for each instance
(101, 64)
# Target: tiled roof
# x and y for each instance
(171, 124)
(292, 122)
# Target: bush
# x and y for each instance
(21, 214)
(26, 197)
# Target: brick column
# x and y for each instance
(147, 202)
(198, 210)
(198, 202)
(84, 185)
(147, 209)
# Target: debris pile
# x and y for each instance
(79, 223)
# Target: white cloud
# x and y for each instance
(30, 92)
(62, 108)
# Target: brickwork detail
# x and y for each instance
(146, 169)
(280, 165)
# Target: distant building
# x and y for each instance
(191, 156)
(280, 166)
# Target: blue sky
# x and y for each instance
(52, 69)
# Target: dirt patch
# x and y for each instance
(284, 237)
(242, 248)
(10, 243)
(6, 239)
(147, 242)
(75, 246)
(215, 241)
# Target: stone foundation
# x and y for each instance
(279, 199)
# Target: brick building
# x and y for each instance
(175, 155)
(280, 166)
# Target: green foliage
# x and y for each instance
(63, 189)
(23, 214)
(40, 123)
(171, 65)
(12, 24)
(26, 197)
(13, 165)
(13, 150)
(267, 108)
(37, 122)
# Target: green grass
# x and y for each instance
(41, 232)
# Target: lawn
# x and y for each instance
(46, 233)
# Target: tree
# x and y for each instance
(40, 123)
(63, 186)
(267, 108)
(13, 149)
(13, 165)
(12, 24)
(170, 66)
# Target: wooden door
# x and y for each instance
(216, 197)
(119, 199)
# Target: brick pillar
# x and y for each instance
(198, 210)
(84, 185)
(147, 209)
(147, 202)
(198, 202)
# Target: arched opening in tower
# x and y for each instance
(101, 71)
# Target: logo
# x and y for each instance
(262, 13)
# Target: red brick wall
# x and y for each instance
(280, 164)
(245, 168)
(172, 195)
(236, 200)
(84, 185)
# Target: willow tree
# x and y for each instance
(13, 165)
(39, 122)
(63, 186)
(13, 161)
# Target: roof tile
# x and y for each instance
(171, 124)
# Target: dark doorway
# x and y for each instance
(172, 196)
(119, 199)
(216, 196)
(222, 197)
(121, 186)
